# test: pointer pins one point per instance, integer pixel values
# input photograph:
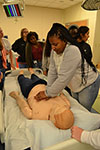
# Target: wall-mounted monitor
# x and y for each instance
(12, 10)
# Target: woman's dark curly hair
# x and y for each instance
(62, 33)
(82, 30)
(30, 34)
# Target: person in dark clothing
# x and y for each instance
(82, 37)
(87, 49)
(73, 29)
(19, 47)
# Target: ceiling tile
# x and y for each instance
(60, 4)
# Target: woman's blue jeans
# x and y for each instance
(23, 65)
(27, 84)
(87, 96)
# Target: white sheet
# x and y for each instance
(70, 144)
(39, 134)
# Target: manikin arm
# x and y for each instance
(23, 105)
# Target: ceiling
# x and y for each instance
(58, 4)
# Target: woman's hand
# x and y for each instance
(41, 96)
(76, 133)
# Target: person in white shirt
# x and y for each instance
(7, 47)
(88, 137)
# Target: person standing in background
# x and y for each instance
(5, 49)
(82, 37)
(6, 44)
(19, 47)
(81, 34)
(34, 51)
(73, 30)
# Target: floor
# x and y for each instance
(1, 146)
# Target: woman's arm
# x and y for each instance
(92, 138)
(52, 77)
(89, 137)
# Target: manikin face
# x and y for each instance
(85, 37)
(57, 44)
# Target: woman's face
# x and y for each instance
(33, 39)
(57, 44)
(85, 36)
(25, 32)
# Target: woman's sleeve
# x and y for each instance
(52, 73)
(92, 138)
(44, 60)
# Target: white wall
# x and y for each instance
(96, 45)
(36, 19)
